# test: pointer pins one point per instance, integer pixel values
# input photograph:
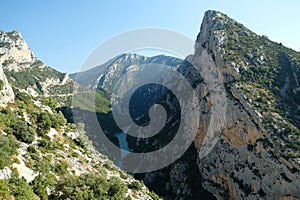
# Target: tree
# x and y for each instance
(90, 186)
(40, 184)
(58, 120)
(44, 123)
(20, 189)
(8, 147)
(117, 189)
(49, 101)
(1, 84)
(4, 191)
(23, 132)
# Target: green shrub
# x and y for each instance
(40, 183)
(117, 189)
(154, 196)
(135, 185)
(20, 189)
(8, 147)
(61, 168)
(45, 144)
(89, 186)
(49, 101)
(4, 190)
(31, 149)
(23, 132)
(1, 84)
(58, 120)
(44, 123)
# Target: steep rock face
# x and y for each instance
(244, 162)
(28, 74)
(14, 49)
(6, 94)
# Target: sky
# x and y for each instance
(63, 33)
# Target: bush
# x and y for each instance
(31, 149)
(44, 123)
(40, 183)
(20, 189)
(49, 101)
(4, 191)
(23, 132)
(135, 185)
(1, 84)
(8, 147)
(61, 168)
(6, 117)
(89, 186)
(117, 189)
(154, 196)
(45, 144)
(58, 120)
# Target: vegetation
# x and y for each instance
(22, 131)
(8, 148)
(20, 189)
(89, 186)
(135, 185)
(91, 101)
(1, 84)
(269, 74)
(49, 156)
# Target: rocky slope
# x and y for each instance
(255, 130)
(247, 161)
(41, 155)
(106, 75)
(257, 153)
(28, 74)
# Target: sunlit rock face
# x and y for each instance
(244, 162)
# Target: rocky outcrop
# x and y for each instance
(15, 54)
(244, 162)
(237, 158)
(6, 92)
(34, 77)
(7, 53)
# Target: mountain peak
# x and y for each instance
(14, 49)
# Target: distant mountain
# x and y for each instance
(41, 155)
(106, 75)
(257, 155)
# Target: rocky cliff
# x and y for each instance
(247, 146)
(245, 163)
(27, 73)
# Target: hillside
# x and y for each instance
(247, 138)
(264, 72)
(41, 155)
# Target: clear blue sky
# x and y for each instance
(62, 33)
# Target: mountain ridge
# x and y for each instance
(257, 149)
(256, 155)
(41, 155)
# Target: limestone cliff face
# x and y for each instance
(6, 93)
(15, 54)
(244, 163)
(237, 154)
(28, 74)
